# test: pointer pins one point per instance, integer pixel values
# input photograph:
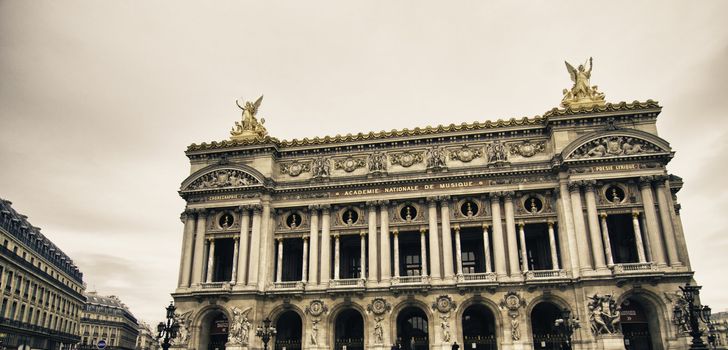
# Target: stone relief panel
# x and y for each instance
(316, 308)
(468, 208)
(379, 307)
(496, 154)
(377, 163)
(240, 326)
(444, 304)
(408, 212)
(436, 159)
(513, 302)
(184, 321)
(226, 220)
(527, 148)
(351, 216)
(223, 178)
(295, 168)
(350, 163)
(321, 168)
(466, 153)
(406, 159)
(289, 220)
(614, 146)
(535, 204)
(604, 314)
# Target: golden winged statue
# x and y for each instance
(249, 128)
(582, 93)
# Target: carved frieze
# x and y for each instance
(614, 146)
(496, 153)
(377, 163)
(527, 148)
(223, 178)
(466, 153)
(604, 314)
(350, 163)
(321, 168)
(240, 327)
(405, 159)
(436, 159)
(295, 168)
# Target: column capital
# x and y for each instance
(521, 224)
(456, 227)
(336, 235)
(383, 203)
(209, 239)
(325, 208)
(550, 223)
(444, 200)
(589, 185)
(603, 215)
(279, 239)
(423, 229)
(495, 195)
(395, 232)
(236, 238)
(432, 201)
(184, 215)
(314, 207)
(363, 233)
(574, 186)
(645, 181)
(660, 180)
(257, 208)
(485, 226)
(371, 204)
(304, 237)
(635, 214)
(243, 208)
(508, 195)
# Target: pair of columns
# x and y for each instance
(552, 246)
(306, 258)
(459, 254)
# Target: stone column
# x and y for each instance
(243, 250)
(653, 229)
(363, 254)
(279, 263)
(396, 252)
(210, 259)
(579, 226)
(667, 229)
(325, 245)
(638, 237)
(267, 250)
(511, 233)
(188, 240)
(373, 260)
(594, 231)
(645, 242)
(606, 239)
(552, 246)
(336, 256)
(304, 263)
(236, 252)
(199, 254)
(385, 250)
(423, 252)
(486, 249)
(255, 247)
(524, 251)
(568, 230)
(434, 238)
(446, 237)
(313, 233)
(458, 251)
(499, 245)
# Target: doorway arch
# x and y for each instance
(543, 332)
(349, 330)
(640, 324)
(412, 329)
(478, 327)
(289, 329)
(214, 330)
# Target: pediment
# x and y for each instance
(221, 178)
(615, 145)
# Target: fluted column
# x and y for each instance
(653, 229)
(515, 269)
(434, 238)
(236, 252)
(255, 247)
(594, 231)
(313, 256)
(279, 263)
(267, 247)
(606, 239)
(645, 241)
(638, 237)
(363, 254)
(199, 254)
(458, 251)
(304, 262)
(499, 246)
(446, 237)
(385, 251)
(188, 240)
(337, 263)
(662, 194)
(579, 226)
(552, 246)
(243, 249)
(325, 245)
(373, 260)
(568, 230)
(395, 233)
(524, 251)
(210, 259)
(486, 249)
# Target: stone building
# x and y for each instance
(482, 234)
(107, 318)
(40, 287)
(146, 340)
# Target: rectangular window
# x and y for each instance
(8, 281)
(13, 308)
(21, 315)
(4, 307)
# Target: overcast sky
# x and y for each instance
(99, 99)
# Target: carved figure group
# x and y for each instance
(614, 146)
(222, 178)
(240, 327)
(581, 93)
(496, 152)
(378, 331)
(446, 335)
(377, 162)
(249, 127)
(436, 158)
(321, 168)
(604, 314)
(183, 335)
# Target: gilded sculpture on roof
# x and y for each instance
(582, 93)
(249, 128)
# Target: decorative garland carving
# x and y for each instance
(350, 163)
(223, 178)
(295, 168)
(379, 306)
(614, 146)
(316, 308)
(444, 304)
(466, 153)
(604, 314)
(527, 148)
(406, 159)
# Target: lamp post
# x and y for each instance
(264, 332)
(566, 326)
(168, 330)
(692, 315)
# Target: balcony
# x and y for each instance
(476, 278)
(546, 276)
(410, 282)
(634, 268)
(347, 284)
(289, 285)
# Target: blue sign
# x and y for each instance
(101, 344)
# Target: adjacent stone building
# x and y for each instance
(146, 340)
(107, 318)
(482, 234)
(41, 288)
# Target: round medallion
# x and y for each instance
(316, 308)
(513, 302)
(407, 160)
(466, 155)
(379, 306)
(527, 150)
(295, 169)
(444, 304)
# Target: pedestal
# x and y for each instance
(229, 346)
(610, 342)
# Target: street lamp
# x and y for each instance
(168, 331)
(692, 315)
(264, 332)
(566, 326)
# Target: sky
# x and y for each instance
(99, 100)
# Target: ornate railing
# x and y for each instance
(545, 274)
(634, 267)
(410, 279)
(288, 285)
(216, 285)
(347, 282)
(477, 277)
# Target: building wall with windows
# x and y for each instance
(40, 287)
(146, 340)
(482, 234)
(107, 318)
